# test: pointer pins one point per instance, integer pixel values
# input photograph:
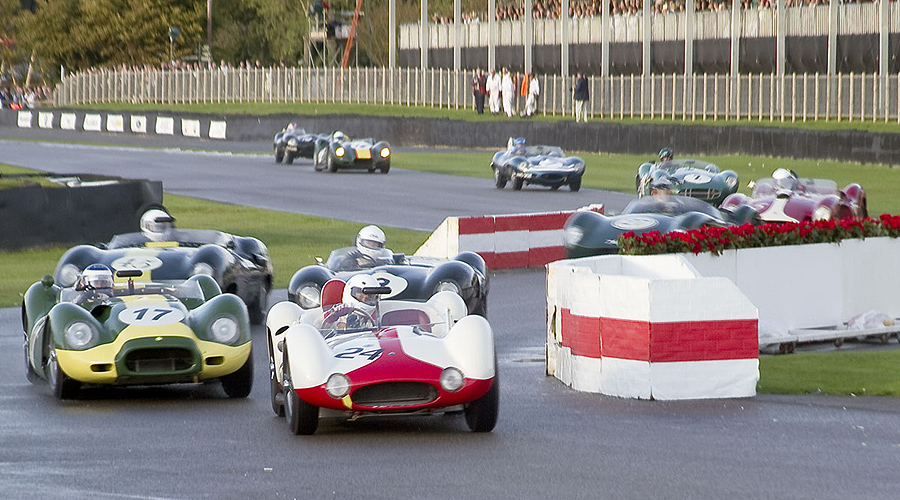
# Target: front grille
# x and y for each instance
(395, 394)
(552, 177)
(163, 360)
(703, 194)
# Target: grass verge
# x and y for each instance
(859, 373)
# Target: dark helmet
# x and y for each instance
(666, 154)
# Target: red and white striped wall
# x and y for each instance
(503, 241)
(649, 327)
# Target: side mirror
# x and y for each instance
(47, 281)
(320, 261)
(751, 184)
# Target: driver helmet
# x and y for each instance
(518, 145)
(339, 136)
(96, 277)
(292, 126)
(155, 223)
(354, 296)
(666, 154)
(370, 241)
(784, 179)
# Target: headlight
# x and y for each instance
(385, 152)
(822, 213)
(80, 335)
(447, 286)
(292, 142)
(339, 151)
(452, 379)
(573, 235)
(309, 296)
(338, 385)
(224, 330)
(731, 182)
(67, 275)
(202, 268)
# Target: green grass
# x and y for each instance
(264, 108)
(22, 177)
(863, 373)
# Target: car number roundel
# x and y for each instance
(392, 281)
(141, 262)
(151, 315)
(697, 178)
(635, 223)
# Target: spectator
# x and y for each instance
(508, 93)
(479, 89)
(534, 91)
(581, 95)
(494, 84)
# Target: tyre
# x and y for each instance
(239, 383)
(481, 414)
(257, 308)
(30, 375)
(302, 417)
(275, 392)
(61, 385)
(499, 179)
(575, 184)
(518, 182)
(289, 158)
(279, 155)
(317, 160)
(384, 169)
(329, 163)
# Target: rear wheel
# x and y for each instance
(62, 386)
(499, 179)
(481, 414)
(239, 383)
(518, 182)
(302, 417)
(575, 184)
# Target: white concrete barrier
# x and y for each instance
(217, 129)
(67, 121)
(115, 123)
(649, 327)
(190, 128)
(138, 124)
(165, 125)
(503, 241)
(23, 120)
(45, 119)
(92, 122)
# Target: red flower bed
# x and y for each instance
(718, 239)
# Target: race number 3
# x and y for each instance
(158, 315)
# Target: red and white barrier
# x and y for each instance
(649, 327)
(503, 241)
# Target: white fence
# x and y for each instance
(762, 97)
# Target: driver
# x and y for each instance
(339, 136)
(785, 179)
(96, 281)
(369, 251)
(357, 309)
(666, 154)
(156, 223)
(517, 146)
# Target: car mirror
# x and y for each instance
(751, 184)
(320, 261)
(47, 281)
(280, 346)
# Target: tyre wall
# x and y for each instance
(649, 327)
(89, 213)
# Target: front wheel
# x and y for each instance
(276, 393)
(329, 163)
(289, 158)
(518, 182)
(30, 375)
(499, 179)
(239, 383)
(384, 169)
(481, 414)
(61, 385)
(257, 307)
(302, 417)
(279, 155)
(575, 184)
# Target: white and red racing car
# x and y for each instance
(409, 358)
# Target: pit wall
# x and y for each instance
(503, 241)
(649, 327)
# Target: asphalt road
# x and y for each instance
(190, 442)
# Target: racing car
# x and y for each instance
(338, 151)
(590, 233)
(540, 165)
(409, 277)
(240, 265)
(129, 331)
(293, 142)
(405, 358)
(694, 178)
(785, 197)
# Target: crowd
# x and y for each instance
(507, 92)
(550, 9)
(23, 97)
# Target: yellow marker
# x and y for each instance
(347, 402)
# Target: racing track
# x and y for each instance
(185, 442)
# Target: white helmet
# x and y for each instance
(339, 136)
(370, 241)
(96, 277)
(784, 178)
(155, 222)
(354, 296)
